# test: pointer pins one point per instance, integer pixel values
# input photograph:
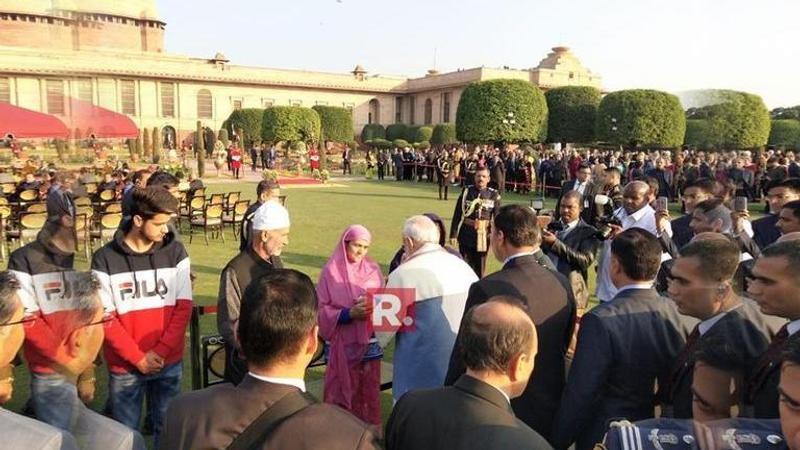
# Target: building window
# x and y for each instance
(55, 96)
(5, 90)
(204, 104)
(167, 100)
(267, 102)
(237, 105)
(428, 112)
(128, 90)
(321, 103)
(398, 109)
(84, 88)
(412, 110)
(295, 102)
(446, 107)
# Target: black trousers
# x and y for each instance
(346, 167)
(381, 171)
(476, 260)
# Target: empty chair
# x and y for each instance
(210, 220)
(236, 216)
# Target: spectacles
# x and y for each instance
(24, 320)
(105, 321)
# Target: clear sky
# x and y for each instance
(672, 45)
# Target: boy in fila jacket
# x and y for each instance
(144, 273)
(44, 269)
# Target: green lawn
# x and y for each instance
(319, 216)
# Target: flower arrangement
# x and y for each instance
(270, 175)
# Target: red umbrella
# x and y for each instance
(90, 119)
(25, 123)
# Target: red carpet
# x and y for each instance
(286, 181)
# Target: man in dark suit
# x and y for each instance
(778, 194)
(790, 395)
(741, 178)
(551, 306)
(346, 167)
(698, 191)
(663, 176)
(624, 346)
(498, 174)
(498, 348)
(775, 287)
(702, 286)
(277, 352)
(583, 185)
(572, 246)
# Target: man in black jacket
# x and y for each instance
(551, 306)
(573, 248)
(583, 185)
(498, 343)
(778, 194)
(702, 286)
(695, 192)
(775, 287)
(624, 346)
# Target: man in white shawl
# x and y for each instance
(441, 282)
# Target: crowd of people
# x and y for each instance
(697, 322)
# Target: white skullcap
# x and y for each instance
(271, 216)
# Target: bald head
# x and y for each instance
(494, 333)
(635, 196)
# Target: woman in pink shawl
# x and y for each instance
(353, 375)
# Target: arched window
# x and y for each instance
(204, 104)
(428, 112)
(374, 111)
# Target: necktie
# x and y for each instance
(682, 362)
(768, 360)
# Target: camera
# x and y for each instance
(555, 227)
(603, 226)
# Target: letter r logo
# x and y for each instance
(393, 309)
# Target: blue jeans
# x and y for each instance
(54, 399)
(127, 393)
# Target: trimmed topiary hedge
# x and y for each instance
(336, 122)
(423, 134)
(397, 131)
(641, 117)
(785, 133)
(380, 143)
(572, 111)
(699, 134)
(290, 124)
(400, 143)
(372, 131)
(444, 134)
(484, 105)
(250, 120)
(736, 120)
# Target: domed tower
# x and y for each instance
(130, 25)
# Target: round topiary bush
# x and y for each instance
(571, 113)
(485, 105)
(641, 117)
(249, 120)
(444, 134)
(396, 131)
(785, 133)
(400, 143)
(337, 123)
(290, 124)
(380, 143)
(423, 134)
(411, 132)
(700, 135)
(736, 119)
(372, 131)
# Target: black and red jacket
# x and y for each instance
(150, 297)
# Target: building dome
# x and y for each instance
(34, 7)
(136, 9)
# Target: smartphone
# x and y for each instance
(544, 221)
(740, 204)
(662, 204)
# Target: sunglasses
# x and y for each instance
(24, 320)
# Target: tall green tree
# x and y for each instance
(572, 111)
(641, 117)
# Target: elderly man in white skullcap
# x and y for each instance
(270, 235)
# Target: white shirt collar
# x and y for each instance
(707, 324)
(517, 255)
(793, 327)
(299, 383)
(637, 216)
(647, 285)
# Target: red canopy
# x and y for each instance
(90, 119)
(25, 123)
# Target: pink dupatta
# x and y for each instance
(340, 284)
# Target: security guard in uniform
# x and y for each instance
(443, 167)
(472, 219)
